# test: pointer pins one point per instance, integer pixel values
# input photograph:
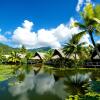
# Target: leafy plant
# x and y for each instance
(91, 22)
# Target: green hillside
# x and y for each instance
(5, 49)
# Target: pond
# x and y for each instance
(42, 82)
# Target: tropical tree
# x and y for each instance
(76, 48)
(23, 49)
(14, 58)
(48, 55)
(3, 59)
(28, 56)
(91, 22)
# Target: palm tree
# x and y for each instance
(28, 56)
(14, 58)
(75, 47)
(48, 55)
(91, 22)
(23, 49)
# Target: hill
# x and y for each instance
(42, 49)
(5, 49)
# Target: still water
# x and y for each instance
(42, 82)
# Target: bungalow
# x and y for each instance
(57, 58)
(95, 60)
(57, 54)
(37, 58)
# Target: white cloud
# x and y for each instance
(82, 3)
(85, 38)
(88, 1)
(43, 37)
(98, 41)
(23, 35)
(3, 39)
(27, 25)
(79, 4)
(47, 38)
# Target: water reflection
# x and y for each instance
(78, 84)
(24, 86)
(42, 83)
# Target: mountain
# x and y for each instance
(5, 49)
(42, 49)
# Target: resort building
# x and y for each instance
(37, 58)
(57, 54)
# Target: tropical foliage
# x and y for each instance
(75, 47)
(76, 51)
(14, 58)
(91, 22)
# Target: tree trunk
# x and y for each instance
(93, 42)
(75, 56)
(75, 60)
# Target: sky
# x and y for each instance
(40, 23)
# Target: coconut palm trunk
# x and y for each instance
(75, 61)
(93, 42)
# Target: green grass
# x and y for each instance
(5, 72)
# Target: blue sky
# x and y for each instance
(38, 14)
(44, 13)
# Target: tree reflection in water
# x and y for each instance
(40, 82)
(78, 84)
(52, 82)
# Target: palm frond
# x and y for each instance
(82, 43)
(97, 29)
(77, 24)
(96, 20)
(76, 37)
(88, 11)
(97, 11)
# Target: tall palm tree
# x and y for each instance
(91, 22)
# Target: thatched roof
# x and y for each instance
(39, 55)
(94, 54)
(58, 53)
(96, 57)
